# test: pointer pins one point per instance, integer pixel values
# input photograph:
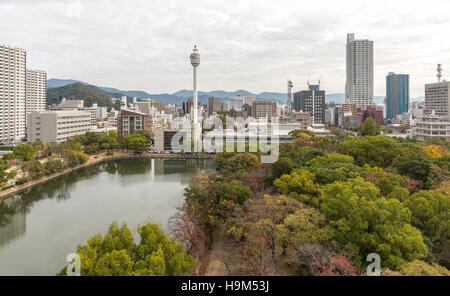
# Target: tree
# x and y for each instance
(74, 158)
(418, 268)
(434, 151)
(301, 185)
(135, 142)
(375, 151)
(4, 175)
(369, 127)
(256, 226)
(366, 224)
(416, 166)
(282, 166)
(443, 162)
(316, 260)
(213, 200)
(53, 165)
(24, 152)
(117, 254)
(35, 169)
(236, 164)
(185, 231)
(431, 213)
(306, 225)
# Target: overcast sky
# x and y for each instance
(251, 45)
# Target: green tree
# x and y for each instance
(415, 166)
(135, 142)
(53, 165)
(366, 224)
(375, 151)
(35, 169)
(117, 254)
(24, 152)
(213, 200)
(431, 214)
(418, 268)
(74, 158)
(4, 175)
(236, 164)
(369, 127)
(301, 185)
(282, 166)
(306, 225)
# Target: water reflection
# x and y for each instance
(52, 218)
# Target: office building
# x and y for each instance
(12, 93)
(36, 91)
(128, 122)
(437, 98)
(311, 101)
(359, 72)
(214, 105)
(56, 126)
(397, 94)
(264, 109)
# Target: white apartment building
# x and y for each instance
(437, 98)
(359, 84)
(12, 93)
(56, 126)
(36, 91)
(432, 126)
(78, 105)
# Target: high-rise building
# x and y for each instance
(359, 84)
(214, 105)
(311, 101)
(437, 98)
(36, 91)
(397, 94)
(12, 93)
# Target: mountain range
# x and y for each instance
(54, 87)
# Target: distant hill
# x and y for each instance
(52, 83)
(182, 95)
(79, 91)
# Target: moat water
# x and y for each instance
(41, 226)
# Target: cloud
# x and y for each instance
(253, 45)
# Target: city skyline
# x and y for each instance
(244, 46)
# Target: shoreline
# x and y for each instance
(96, 159)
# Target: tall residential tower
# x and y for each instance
(359, 84)
(36, 91)
(12, 93)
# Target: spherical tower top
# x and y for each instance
(195, 57)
